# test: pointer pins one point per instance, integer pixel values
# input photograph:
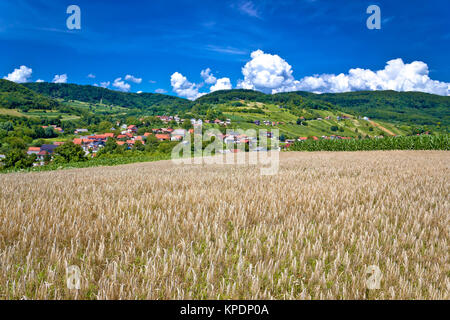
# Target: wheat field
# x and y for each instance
(165, 231)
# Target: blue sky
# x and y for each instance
(153, 40)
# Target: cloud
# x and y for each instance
(151, 81)
(228, 50)
(20, 75)
(105, 84)
(208, 77)
(184, 88)
(139, 92)
(39, 80)
(396, 75)
(133, 79)
(90, 75)
(272, 74)
(248, 8)
(121, 85)
(162, 91)
(266, 72)
(60, 78)
(222, 84)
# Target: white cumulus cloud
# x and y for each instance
(133, 79)
(20, 75)
(183, 87)
(266, 73)
(105, 84)
(60, 78)
(208, 77)
(91, 76)
(222, 84)
(39, 80)
(162, 91)
(121, 85)
(272, 74)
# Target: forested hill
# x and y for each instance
(406, 107)
(409, 107)
(92, 94)
(13, 95)
(403, 107)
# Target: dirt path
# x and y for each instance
(382, 128)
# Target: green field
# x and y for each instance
(243, 118)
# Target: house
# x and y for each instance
(41, 155)
(147, 134)
(179, 132)
(109, 135)
(132, 129)
(33, 150)
(163, 137)
(176, 138)
(302, 138)
(81, 131)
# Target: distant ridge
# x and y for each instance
(92, 94)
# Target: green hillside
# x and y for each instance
(16, 96)
(150, 102)
(407, 107)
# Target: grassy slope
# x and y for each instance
(314, 127)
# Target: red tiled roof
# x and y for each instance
(162, 136)
(120, 143)
(77, 141)
(147, 134)
(109, 135)
(37, 149)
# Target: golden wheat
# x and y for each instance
(164, 231)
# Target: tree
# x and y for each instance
(109, 148)
(49, 133)
(138, 146)
(151, 144)
(105, 126)
(186, 125)
(16, 143)
(8, 126)
(69, 152)
(19, 159)
(334, 128)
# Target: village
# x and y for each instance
(129, 137)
